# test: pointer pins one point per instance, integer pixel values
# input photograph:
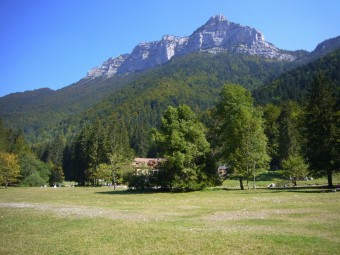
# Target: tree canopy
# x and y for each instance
(181, 138)
(9, 168)
(242, 142)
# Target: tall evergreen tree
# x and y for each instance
(94, 147)
(4, 142)
(321, 128)
(54, 151)
(271, 115)
(80, 159)
(290, 138)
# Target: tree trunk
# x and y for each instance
(248, 177)
(241, 184)
(254, 176)
(329, 177)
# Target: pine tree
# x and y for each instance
(290, 138)
(271, 115)
(321, 128)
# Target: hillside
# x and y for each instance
(195, 79)
(140, 98)
(37, 109)
(294, 84)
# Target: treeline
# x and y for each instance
(301, 138)
(100, 151)
(85, 147)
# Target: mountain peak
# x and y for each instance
(217, 18)
(216, 35)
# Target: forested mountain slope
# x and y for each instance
(195, 80)
(37, 109)
(294, 84)
(140, 98)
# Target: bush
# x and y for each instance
(33, 180)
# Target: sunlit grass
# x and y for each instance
(266, 178)
(214, 221)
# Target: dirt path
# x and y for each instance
(79, 211)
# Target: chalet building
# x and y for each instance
(146, 166)
(222, 171)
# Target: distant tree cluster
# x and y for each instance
(101, 151)
(18, 163)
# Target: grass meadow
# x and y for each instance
(87, 220)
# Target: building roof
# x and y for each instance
(146, 161)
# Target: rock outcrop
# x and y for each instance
(217, 35)
(148, 55)
(108, 68)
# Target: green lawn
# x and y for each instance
(215, 221)
(268, 177)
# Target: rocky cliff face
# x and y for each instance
(148, 55)
(108, 68)
(218, 34)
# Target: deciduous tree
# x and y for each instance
(295, 168)
(242, 139)
(182, 140)
(9, 168)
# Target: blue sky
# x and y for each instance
(53, 43)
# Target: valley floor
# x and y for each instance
(215, 221)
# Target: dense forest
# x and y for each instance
(294, 84)
(268, 112)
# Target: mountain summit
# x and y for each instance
(216, 35)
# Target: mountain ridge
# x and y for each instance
(216, 35)
(33, 110)
(123, 64)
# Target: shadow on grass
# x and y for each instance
(131, 192)
(299, 189)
